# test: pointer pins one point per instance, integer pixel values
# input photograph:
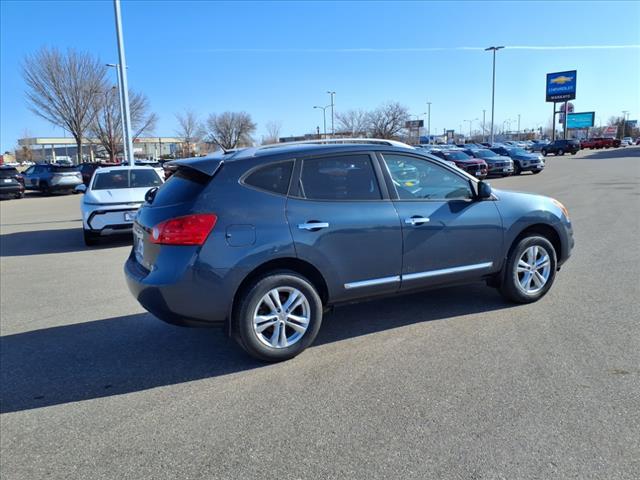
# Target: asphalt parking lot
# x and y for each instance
(453, 383)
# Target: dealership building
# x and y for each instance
(50, 148)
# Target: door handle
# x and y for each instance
(311, 226)
(416, 220)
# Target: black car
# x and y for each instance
(560, 147)
(498, 165)
(11, 182)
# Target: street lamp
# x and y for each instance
(126, 126)
(493, 87)
(324, 118)
(470, 122)
(518, 127)
(484, 130)
(625, 113)
(332, 94)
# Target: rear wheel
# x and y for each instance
(529, 271)
(278, 316)
(560, 152)
(44, 189)
(543, 152)
(516, 169)
(19, 195)
(90, 238)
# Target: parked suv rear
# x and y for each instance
(560, 147)
(264, 240)
(11, 182)
(50, 177)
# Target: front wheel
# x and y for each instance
(529, 271)
(90, 238)
(560, 152)
(543, 152)
(278, 316)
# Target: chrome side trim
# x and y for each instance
(372, 282)
(447, 271)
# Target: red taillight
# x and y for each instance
(188, 230)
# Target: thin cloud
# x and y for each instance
(412, 49)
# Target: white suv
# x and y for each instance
(112, 199)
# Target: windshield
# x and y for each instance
(456, 156)
(116, 179)
(518, 151)
(484, 153)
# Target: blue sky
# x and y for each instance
(276, 60)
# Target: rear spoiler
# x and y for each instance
(207, 165)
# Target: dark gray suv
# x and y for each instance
(263, 240)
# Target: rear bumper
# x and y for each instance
(11, 189)
(189, 296)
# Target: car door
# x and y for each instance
(448, 235)
(344, 224)
(31, 177)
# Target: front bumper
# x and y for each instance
(108, 219)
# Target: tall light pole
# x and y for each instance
(429, 123)
(484, 130)
(625, 113)
(518, 126)
(324, 118)
(470, 123)
(493, 85)
(124, 89)
(333, 131)
(117, 67)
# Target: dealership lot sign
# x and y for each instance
(561, 86)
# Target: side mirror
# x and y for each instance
(82, 188)
(484, 190)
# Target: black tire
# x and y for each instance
(543, 152)
(516, 169)
(535, 172)
(510, 287)
(19, 195)
(90, 238)
(44, 189)
(574, 153)
(560, 152)
(251, 299)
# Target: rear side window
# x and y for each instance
(346, 177)
(183, 186)
(272, 178)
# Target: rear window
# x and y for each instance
(183, 186)
(64, 168)
(8, 172)
(273, 178)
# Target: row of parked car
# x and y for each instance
(488, 160)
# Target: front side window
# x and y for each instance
(341, 177)
(418, 179)
(273, 178)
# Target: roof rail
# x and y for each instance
(379, 141)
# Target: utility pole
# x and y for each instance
(122, 68)
(429, 123)
(493, 87)
(333, 131)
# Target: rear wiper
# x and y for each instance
(150, 195)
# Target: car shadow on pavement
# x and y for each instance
(132, 353)
(611, 153)
(40, 242)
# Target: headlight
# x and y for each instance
(561, 207)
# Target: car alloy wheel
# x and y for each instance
(281, 317)
(533, 269)
(560, 152)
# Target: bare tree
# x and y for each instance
(190, 129)
(387, 121)
(356, 122)
(107, 126)
(64, 89)
(273, 132)
(231, 129)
